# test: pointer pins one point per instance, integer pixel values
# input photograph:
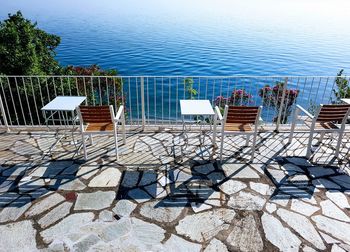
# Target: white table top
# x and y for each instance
(196, 107)
(64, 103)
(346, 100)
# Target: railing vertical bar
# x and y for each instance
(85, 91)
(162, 100)
(282, 103)
(199, 87)
(13, 101)
(92, 91)
(34, 97)
(41, 95)
(62, 85)
(130, 109)
(2, 110)
(137, 101)
(325, 87)
(148, 118)
(107, 91)
(143, 115)
(115, 95)
(6, 105)
(20, 101)
(76, 85)
(69, 86)
(177, 100)
(206, 88)
(155, 99)
(99, 89)
(213, 97)
(169, 96)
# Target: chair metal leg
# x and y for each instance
(221, 146)
(116, 144)
(321, 137)
(91, 139)
(253, 147)
(308, 151)
(247, 140)
(84, 146)
(338, 144)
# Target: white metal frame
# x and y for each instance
(339, 130)
(222, 120)
(119, 117)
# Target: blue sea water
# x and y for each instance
(197, 37)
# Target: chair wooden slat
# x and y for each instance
(95, 114)
(242, 114)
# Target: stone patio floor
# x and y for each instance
(166, 195)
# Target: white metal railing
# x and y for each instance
(154, 100)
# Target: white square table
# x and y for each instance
(346, 100)
(63, 105)
(195, 108)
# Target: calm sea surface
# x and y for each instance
(197, 37)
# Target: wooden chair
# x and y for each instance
(238, 120)
(100, 120)
(327, 119)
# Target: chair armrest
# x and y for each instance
(119, 113)
(218, 113)
(305, 111)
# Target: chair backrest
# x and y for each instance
(242, 114)
(336, 113)
(95, 114)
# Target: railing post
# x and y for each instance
(143, 115)
(2, 109)
(280, 110)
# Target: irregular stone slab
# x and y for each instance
(337, 229)
(204, 226)
(85, 243)
(27, 184)
(45, 204)
(204, 169)
(325, 183)
(16, 236)
(6, 184)
(270, 207)
(303, 226)
(71, 185)
(299, 161)
(246, 201)
(17, 170)
(199, 207)
(261, 188)
(124, 208)
(303, 208)
(107, 178)
(336, 248)
(292, 169)
(277, 175)
(338, 198)
(146, 233)
(175, 243)
(130, 179)
(15, 210)
(106, 216)
(245, 235)
(278, 235)
(71, 224)
(328, 239)
(239, 171)
(157, 212)
(331, 210)
(115, 230)
(139, 195)
(55, 214)
(342, 180)
(318, 171)
(216, 246)
(87, 171)
(94, 201)
(232, 186)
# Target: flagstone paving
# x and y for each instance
(172, 195)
